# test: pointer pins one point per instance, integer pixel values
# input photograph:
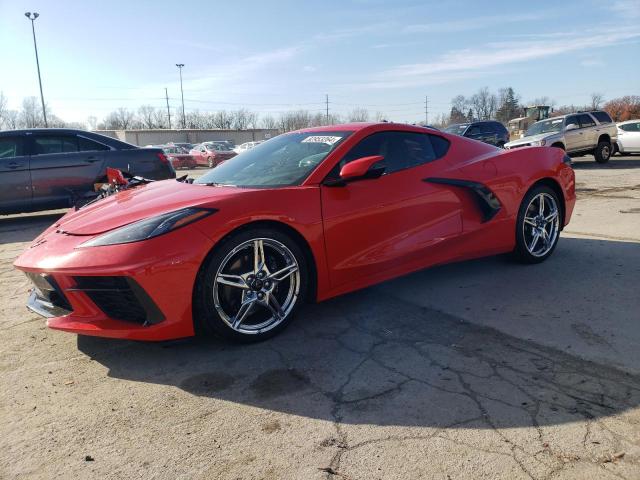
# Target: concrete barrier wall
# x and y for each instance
(160, 137)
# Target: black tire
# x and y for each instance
(558, 145)
(208, 320)
(522, 252)
(602, 153)
(210, 162)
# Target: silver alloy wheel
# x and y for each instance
(540, 227)
(606, 152)
(256, 285)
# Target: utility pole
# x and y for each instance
(32, 17)
(327, 103)
(166, 95)
(184, 119)
(426, 110)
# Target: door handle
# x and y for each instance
(13, 165)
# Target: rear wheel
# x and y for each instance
(250, 286)
(538, 225)
(602, 152)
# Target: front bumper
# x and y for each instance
(138, 291)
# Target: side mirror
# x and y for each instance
(362, 168)
(571, 126)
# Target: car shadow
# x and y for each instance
(24, 228)
(616, 162)
(380, 357)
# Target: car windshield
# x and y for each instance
(282, 161)
(546, 126)
(457, 129)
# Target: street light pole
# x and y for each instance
(32, 17)
(184, 120)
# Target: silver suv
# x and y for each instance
(576, 133)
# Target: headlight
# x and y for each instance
(539, 143)
(149, 227)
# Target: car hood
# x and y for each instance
(139, 203)
(532, 138)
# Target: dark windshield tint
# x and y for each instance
(282, 161)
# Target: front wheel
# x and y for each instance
(210, 162)
(603, 152)
(250, 286)
(538, 225)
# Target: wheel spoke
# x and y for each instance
(541, 205)
(530, 221)
(244, 310)
(551, 217)
(232, 280)
(273, 305)
(536, 236)
(287, 271)
(258, 256)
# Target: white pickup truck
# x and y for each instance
(576, 133)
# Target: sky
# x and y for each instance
(269, 57)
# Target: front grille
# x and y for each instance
(48, 296)
(120, 298)
(519, 146)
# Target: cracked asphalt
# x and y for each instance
(483, 369)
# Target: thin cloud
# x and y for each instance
(475, 23)
(463, 63)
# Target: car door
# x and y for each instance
(62, 166)
(375, 225)
(573, 138)
(629, 136)
(15, 178)
(588, 128)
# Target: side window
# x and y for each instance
(630, 127)
(572, 119)
(602, 117)
(487, 129)
(86, 145)
(11, 147)
(54, 144)
(586, 121)
(401, 150)
(473, 131)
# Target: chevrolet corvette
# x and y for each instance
(305, 216)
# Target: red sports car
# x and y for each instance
(211, 154)
(302, 217)
(179, 157)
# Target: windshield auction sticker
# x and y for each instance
(329, 140)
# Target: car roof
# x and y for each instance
(99, 137)
(357, 126)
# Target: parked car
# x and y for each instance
(50, 168)
(576, 133)
(489, 131)
(247, 146)
(186, 146)
(179, 156)
(305, 216)
(628, 137)
(211, 154)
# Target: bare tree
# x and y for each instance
(120, 119)
(3, 109)
(241, 119)
(92, 121)
(596, 100)
(380, 116)
(358, 114)
(223, 120)
(11, 119)
(269, 122)
(31, 113)
(484, 104)
(146, 114)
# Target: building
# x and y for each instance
(163, 136)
